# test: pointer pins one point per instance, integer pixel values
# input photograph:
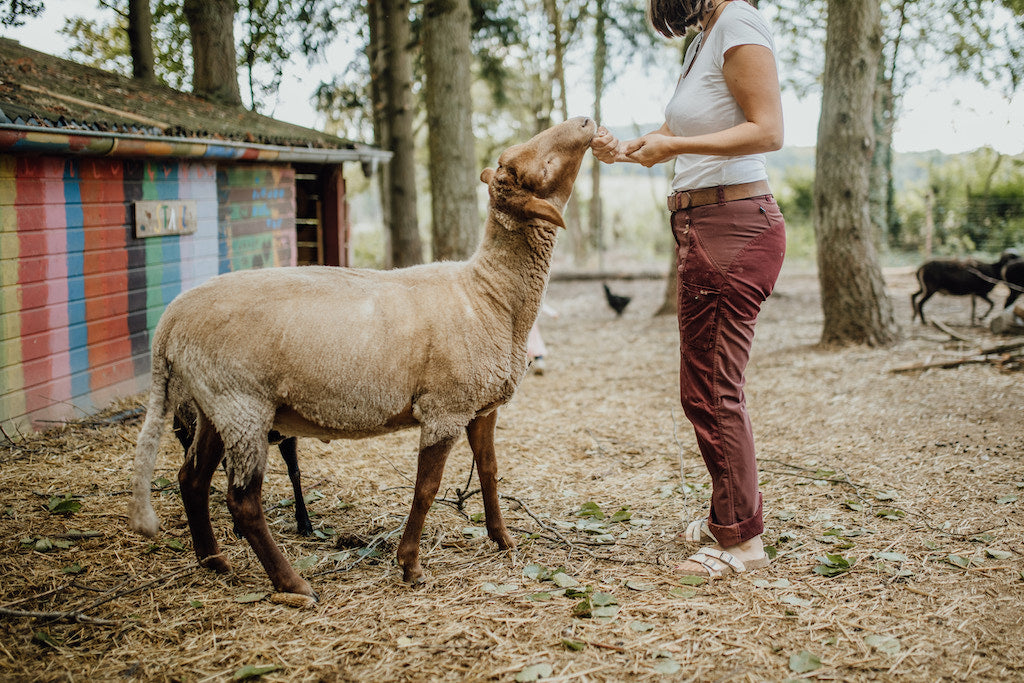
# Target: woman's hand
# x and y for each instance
(606, 147)
(650, 149)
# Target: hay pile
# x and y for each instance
(894, 500)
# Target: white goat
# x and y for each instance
(339, 353)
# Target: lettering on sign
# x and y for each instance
(172, 217)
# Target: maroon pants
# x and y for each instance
(729, 256)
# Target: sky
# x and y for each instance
(949, 115)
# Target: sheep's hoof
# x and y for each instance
(217, 563)
(504, 539)
(413, 575)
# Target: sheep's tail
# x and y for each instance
(141, 516)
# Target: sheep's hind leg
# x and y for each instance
(289, 452)
(246, 505)
(205, 450)
(429, 469)
(481, 439)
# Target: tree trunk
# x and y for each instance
(211, 24)
(454, 178)
(378, 105)
(600, 68)
(406, 246)
(853, 299)
(140, 39)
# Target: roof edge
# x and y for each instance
(38, 140)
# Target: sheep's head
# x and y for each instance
(535, 179)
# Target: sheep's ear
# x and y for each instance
(486, 175)
(539, 208)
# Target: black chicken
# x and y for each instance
(618, 303)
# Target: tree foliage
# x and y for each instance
(13, 12)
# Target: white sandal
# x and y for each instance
(717, 563)
(697, 531)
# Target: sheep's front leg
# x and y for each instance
(429, 469)
(205, 450)
(481, 439)
(246, 505)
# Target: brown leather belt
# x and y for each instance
(714, 195)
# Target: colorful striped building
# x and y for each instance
(105, 218)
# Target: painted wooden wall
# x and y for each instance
(80, 295)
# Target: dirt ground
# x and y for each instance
(894, 501)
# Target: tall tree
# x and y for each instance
(12, 12)
(214, 61)
(447, 64)
(140, 38)
(397, 111)
(855, 306)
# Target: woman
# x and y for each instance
(726, 112)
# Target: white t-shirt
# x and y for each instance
(703, 104)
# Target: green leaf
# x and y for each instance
(574, 645)
(855, 506)
(306, 562)
(43, 545)
(477, 517)
(536, 572)
(196, 604)
(1006, 499)
(890, 514)
(771, 551)
(250, 597)
(539, 597)
(162, 482)
(590, 509)
(563, 580)
(474, 531)
(623, 515)
(882, 643)
(959, 561)
(175, 544)
(804, 661)
(605, 613)
(886, 495)
(313, 496)
(254, 671)
(785, 515)
(534, 672)
(601, 599)
(285, 503)
(692, 580)
(890, 556)
(499, 588)
(73, 568)
(832, 565)
(998, 554)
(63, 506)
(681, 592)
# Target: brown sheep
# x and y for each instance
(337, 353)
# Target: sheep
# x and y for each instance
(1013, 275)
(340, 353)
(185, 431)
(958, 278)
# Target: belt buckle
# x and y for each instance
(683, 200)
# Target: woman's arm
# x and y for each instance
(752, 79)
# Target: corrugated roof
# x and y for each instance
(40, 90)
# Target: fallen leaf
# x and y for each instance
(574, 645)
(534, 672)
(804, 661)
(641, 626)
(666, 667)
(681, 592)
(882, 643)
(250, 597)
(254, 671)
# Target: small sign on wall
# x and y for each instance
(158, 217)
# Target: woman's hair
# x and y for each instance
(671, 18)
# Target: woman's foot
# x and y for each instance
(716, 561)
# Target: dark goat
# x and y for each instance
(967, 277)
(185, 431)
(1013, 276)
